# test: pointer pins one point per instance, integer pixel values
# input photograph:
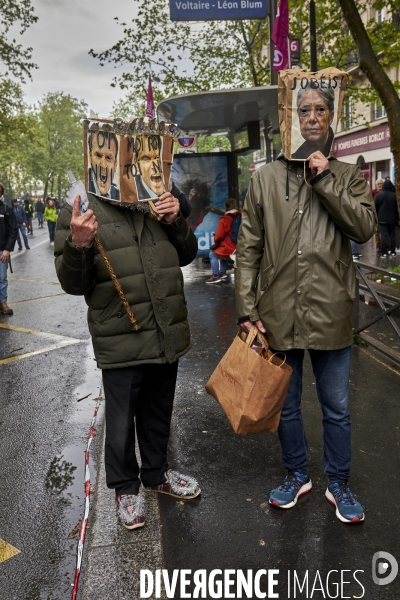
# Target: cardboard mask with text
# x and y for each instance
(309, 106)
(128, 162)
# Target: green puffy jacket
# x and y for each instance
(294, 268)
(146, 256)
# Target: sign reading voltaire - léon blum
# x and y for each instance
(197, 10)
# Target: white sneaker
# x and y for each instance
(130, 510)
(51, 243)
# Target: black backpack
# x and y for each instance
(235, 228)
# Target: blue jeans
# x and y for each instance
(332, 371)
(40, 219)
(216, 261)
(3, 280)
(354, 247)
(52, 229)
(22, 230)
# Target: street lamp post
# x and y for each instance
(313, 38)
(272, 15)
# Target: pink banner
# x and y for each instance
(150, 101)
(280, 37)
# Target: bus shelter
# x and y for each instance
(249, 119)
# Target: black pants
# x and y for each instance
(388, 229)
(147, 393)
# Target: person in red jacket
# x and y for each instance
(225, 240)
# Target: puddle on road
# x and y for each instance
(65, 479)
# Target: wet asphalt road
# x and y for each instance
(43, 431)
(43, 434)
(232, 525)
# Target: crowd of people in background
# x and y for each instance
(27, 210)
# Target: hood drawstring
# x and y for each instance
(287, 181)
(305, 176)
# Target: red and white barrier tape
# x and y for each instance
(82, 533)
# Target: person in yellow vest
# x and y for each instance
(50, 215)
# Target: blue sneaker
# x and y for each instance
(348, 509)
(286, 495)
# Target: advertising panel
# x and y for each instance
(203, 178)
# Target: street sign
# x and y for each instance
(295, 51)
(220, 10)
(187, 144)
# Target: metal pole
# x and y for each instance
(272, 15)
(313, 38)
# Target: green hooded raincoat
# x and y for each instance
(294, 268)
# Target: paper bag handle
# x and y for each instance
(255, 332)
(276, 354)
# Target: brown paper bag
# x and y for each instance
(251, 385)
(309, 107)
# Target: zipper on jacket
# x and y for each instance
(150, 234)
(135, 235)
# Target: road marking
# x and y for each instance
(33, 280)
(52, 336)
(34, 299)
(21, 252)
(7, 551)
(28, 354)
(62, 342)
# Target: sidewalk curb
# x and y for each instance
(116, 555)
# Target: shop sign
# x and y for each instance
(362, 141)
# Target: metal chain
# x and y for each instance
(118, 287)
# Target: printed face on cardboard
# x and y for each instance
(314, 117)
(127, 162)
(103, 169)
(147, 166)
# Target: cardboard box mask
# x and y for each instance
(128, 162)
(309, 107)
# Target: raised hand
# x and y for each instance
(318, 163)
(83, 227)
(168, 206)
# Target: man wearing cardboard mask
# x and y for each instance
(315, 109)
(121, 242)
(295, 280)
(103, 154)
(148, 167)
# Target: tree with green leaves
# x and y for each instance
(187, 57)
(229, 54)
(345, 41)
(16, 59)
(16, 134)
(57, 143)
(378, 51)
